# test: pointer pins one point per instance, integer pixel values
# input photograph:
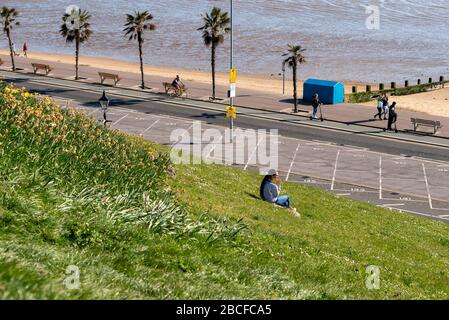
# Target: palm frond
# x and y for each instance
(8, 18)
(137, 23)
(294, 55)
(82, 33)
(215, 26)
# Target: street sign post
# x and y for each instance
(233, 71)
(232, 94)
(231, 112)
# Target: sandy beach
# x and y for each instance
(434, 102)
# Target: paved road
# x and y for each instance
(370, 166)
(287, 124)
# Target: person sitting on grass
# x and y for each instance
(270, 191)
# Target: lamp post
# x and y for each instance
(104, 103)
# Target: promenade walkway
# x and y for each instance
(344, 114)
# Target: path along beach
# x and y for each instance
(433, 103)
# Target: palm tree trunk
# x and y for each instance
(295, 87)
(11, 50)
(213, 71)
(77, 53)
(139, 39)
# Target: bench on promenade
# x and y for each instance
(171, 89)
(1, 62)
(104, 76)
(436, 125)
(38, 66)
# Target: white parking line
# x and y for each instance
(252, 153)
(335, 171)
(126, 115)
(293, 161)
(149, 128)
(427, 185)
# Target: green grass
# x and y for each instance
(190, 232)
(362, 97)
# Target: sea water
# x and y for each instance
(344, 39)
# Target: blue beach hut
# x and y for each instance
(330, 92)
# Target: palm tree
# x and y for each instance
(76, 28)
(294, 57)
(9, 16)
(135, 26)
(216, 25)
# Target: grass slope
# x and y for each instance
(135, 232)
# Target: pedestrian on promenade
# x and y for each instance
(315, 104)
(14, 50)
(25, 49)
(380, 105)
(385, 105)
(392, 118)
(270, 191)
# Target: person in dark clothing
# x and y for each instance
(178, 84)
(270, 191)
(315, 104)
(385, 105)
(392, 117)
(265, 180)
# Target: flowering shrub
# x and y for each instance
(98, 172)
(64, 144)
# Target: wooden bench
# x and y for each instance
(436, 125)
(38, 66)
(171, 89)
(104, 76)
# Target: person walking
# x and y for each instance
(380, 105)
(14, 51)
(392, 118)
(315, 104)
(25, 49)
(385, 105)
